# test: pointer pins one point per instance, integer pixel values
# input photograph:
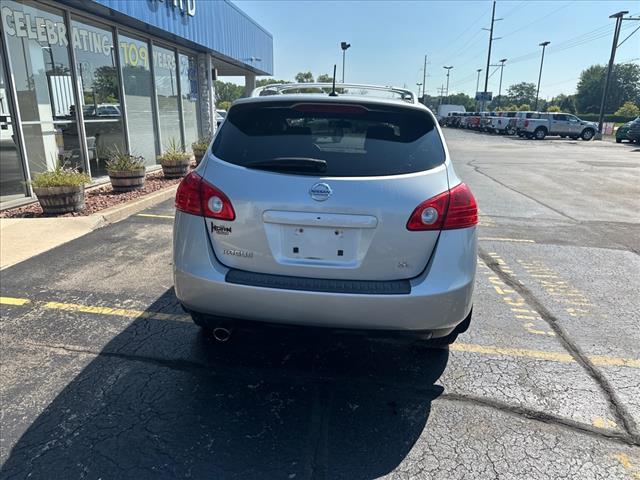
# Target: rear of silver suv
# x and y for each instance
(340, 212)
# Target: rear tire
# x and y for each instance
(540, 133)
(618, 140)
(587, 134)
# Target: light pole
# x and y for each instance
(419, 85)
(448, 69)
(478, 85)
(500, 87)
(344, 46)
(544, 46)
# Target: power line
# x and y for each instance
(628, 36)
(444, 54)
(539, 19)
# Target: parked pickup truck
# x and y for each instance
(501, 123)
(560, 124)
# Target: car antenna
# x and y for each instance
(333, 90)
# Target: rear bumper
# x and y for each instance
(440, 298)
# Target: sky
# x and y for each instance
(390, 38)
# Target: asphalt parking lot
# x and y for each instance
(104, 376)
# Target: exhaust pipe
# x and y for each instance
(222, 334)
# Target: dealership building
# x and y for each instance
(81, 78)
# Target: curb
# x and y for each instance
(120, 212)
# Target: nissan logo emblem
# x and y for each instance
(320, 192)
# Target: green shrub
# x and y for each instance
(173, 152)
(200, 146)
(123, 162)
(61, 176)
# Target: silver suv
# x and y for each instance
(332, 210)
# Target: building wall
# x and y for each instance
(218, 26)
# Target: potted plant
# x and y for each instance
(175, 163)
(126, 171)
(199, 148)
(60, 190)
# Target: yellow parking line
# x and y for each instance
(542, 355)
(121, 312)
(500, 239)
(456, 347)
(14, 301)
(151, 215)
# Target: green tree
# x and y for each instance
(227, 91)
(105, 84)
(566, 103)
(523, 92)
(461, 99)
(554, 108)
(525, 107)
(624, 86)
(628, 109)
(223, 105)
(324, 78)
(304, 77)
(270, 81)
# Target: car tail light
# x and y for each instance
(198, 197)
(526, 123)
(455, 208)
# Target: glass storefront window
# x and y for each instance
(189, 94)
(12, 176)
(98, 77)
(37, 42)
(138, 90)
(164, 67)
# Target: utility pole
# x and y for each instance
(486, 74)
(448, 71)
(543, 45)
(616, 35)
(424, 77)
(478, 84)
(441, 89)
(419, 85)
(500, 87)
(491, 39)
(501, 66)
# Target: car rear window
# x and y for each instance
(356, 139)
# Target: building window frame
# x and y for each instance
(16, 121)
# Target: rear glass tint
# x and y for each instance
(353, 139)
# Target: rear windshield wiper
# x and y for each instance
(290, 164)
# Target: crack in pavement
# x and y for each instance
(477, 170)
(619, 410)
(303, 379)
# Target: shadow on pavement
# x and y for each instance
(162, 400)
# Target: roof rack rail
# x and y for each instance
(281, 88)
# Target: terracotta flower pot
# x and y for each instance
(127, 180)
(59, 200)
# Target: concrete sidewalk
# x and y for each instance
(23, 238)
